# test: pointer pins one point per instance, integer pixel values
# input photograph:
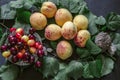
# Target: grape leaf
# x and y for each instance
(11, 73)
(113, 21)
(100, 20)
(116, 41)
(7, 12)
(23, 16)
(86, 72)
(16, 4)
(92, 27)
(93, 48)
(74, 6)
(62, 75)
(3, 38)
(82, 52)
(108, 65)
(74, 69)
(64, 3)
(53, 44)
(3, 68)
(50, 66)
(55, 1)
(95, 68)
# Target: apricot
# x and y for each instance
(69, 30)
(48, 9)
(64, 50)
(81, 22)
(62, 15)
(38, 21)
(52, 32)
(81, 38)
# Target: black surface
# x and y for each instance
(98, 7)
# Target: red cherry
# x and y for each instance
(32, 59)
(3, 47)
(38, 64)
(40, 53)
(20, 55)
(37, 44)
(26, 56)
(20, 31)
(18, 35)
(12, 29)
(31, 31)
(15, 59)
(40, 47)
(31, 36)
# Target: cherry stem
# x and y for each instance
(4, 25)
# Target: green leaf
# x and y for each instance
(7, 12)
(86, 72)
(93, 48)
(92, 27)
(108, 65)
(100, 20)
(4, 37)
(23, 16)
(74, 69)
(16, 4)
(55, 1)
(95, 68)
(11, 73)
(64, 4)
(82, 52)
(3, 68)
(116, 41)
(50, 66)
(62, 75)
(74, 6)
(53, 44)
(113, 21)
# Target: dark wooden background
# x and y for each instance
(98, 7)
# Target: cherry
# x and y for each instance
(20, 45)
(11, 37)
(18, 35)
(6, 54)
(31, 31)
(40, 47)
(32, 59)
(37, 44)
(12, 40)
(31, 36)
(40, 53)
(20, 31)
(20, 55)
(4, 47)
(25, 38)
(32, 50)
(12, 29)
(15, 59)
(26, 56)
(13, 50)
(37, 64)
(31, 42)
